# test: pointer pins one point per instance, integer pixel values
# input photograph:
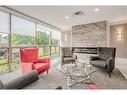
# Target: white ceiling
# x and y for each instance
(55, 15)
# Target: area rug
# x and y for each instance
(56, 78)
(100, 78)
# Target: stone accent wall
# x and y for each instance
(92, 34)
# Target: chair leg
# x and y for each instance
(109, 75)
(47, 71)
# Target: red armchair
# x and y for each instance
(29, 61)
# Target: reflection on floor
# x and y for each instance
(55, 78)
(12, 75)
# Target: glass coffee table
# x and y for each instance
(78, 73)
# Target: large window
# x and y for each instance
(55, 41)
(42, 39)
(23, 34)
(42, 36)
(3, 61)
(46, 51)
(55, 38)
(4, 39)
(23, 31)
(15, 59)
(22, 40)
(4, 29)
(4, 22)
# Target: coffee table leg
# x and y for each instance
(91, 81)
(70, 82)
(86, 81)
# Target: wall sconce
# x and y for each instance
(119, 34)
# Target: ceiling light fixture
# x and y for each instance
(96, 9)
(66, 17)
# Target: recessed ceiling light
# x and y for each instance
(66, 17)
(96, 9)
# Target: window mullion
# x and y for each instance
(10, 48)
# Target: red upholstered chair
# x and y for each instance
(29, 61)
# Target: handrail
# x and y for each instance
(32, 46)
(4, 47)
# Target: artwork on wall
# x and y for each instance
(92, 34)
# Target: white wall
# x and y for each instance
(121, 63)
(66, 39)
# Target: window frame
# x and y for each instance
(10, 47)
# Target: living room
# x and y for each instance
(40, 50)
